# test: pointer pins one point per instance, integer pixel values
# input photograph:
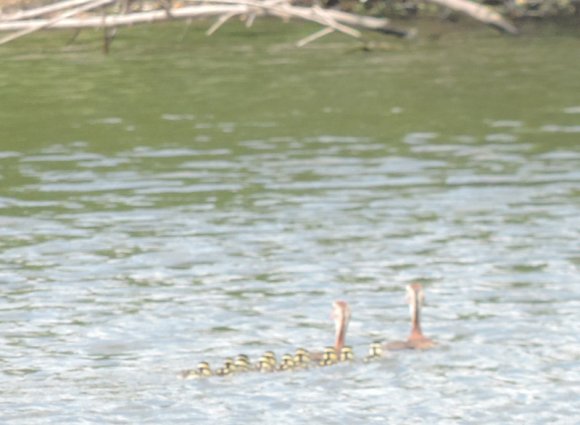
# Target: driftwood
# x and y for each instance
(332, 20)
(480, 12)
(52, 22)
(81, 14)
(39, 11)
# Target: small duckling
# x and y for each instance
(228, 368)
(202, 371)
(346, 354)
(242, 363)
(229, 363)
(242, 367)
(329, 357)
(271, 357)
(287, 362)
(243, 357)
(301, 358)
(222, 371)
(375, 352)
(265, 365)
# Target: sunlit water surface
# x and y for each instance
(162, 207)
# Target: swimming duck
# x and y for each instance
(227, 369)
(201, 371)
(416, 339)
(341, 315)
(287, 362)
(264, 365)
(346, 354)
(375, 352)
(242, 363)
(301, 358)
(329, 357)
(271, 357)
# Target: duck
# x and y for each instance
(287, 362)
(416, 340)
(265, 365)
(243, 358)
(301, 358)
(242, 363)
(346, 354)
(329, 357)
(375, 352)
(227, 369)
(271, 357)
(341, 314)
(201, 371)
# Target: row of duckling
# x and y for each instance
(340, 352)
(301, 360)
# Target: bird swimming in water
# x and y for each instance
(346, 354)
(329, 357)
(201, 371)
(416, 339)
(271, 358)
(242, 363)
(341, 314)
(287, 362)
(227, 369)
(265, 365)
(375, 352)
(301, 358)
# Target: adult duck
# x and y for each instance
(416, 340)
(341, 315)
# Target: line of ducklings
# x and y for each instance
(339, 353)
(268, 363)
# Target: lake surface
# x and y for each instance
(183, 201)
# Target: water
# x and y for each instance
(176, 203)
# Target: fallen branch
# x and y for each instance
(51, 22)
(480, 12)
(39, 11)
(221, 20)
(315, 36)
(339, 21)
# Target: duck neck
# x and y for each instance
(340, 334)
(415, 309)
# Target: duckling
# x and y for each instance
(346, 354)
(301, 358)
(202, 371)
(228, 368)
(287, 362)
(329, 357)
(222, 371)
(375, 352)
(301, 352)
(265, 365)
(229, 363)
(242, 363)
(243, 357)
(271, 357)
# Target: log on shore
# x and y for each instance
(322, 16)
(480, 12)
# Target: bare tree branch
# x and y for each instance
(480, 12)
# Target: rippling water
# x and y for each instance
(139, 239)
